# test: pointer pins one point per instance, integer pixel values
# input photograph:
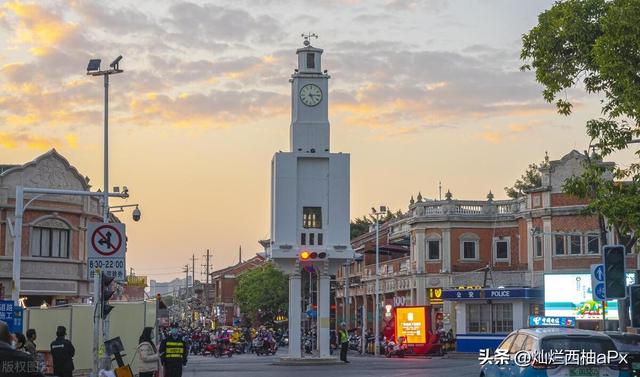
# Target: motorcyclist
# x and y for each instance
(173, 353)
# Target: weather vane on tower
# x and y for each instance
(307, 38)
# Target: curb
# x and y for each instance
(285, 361)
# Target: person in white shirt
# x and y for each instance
(148, 358)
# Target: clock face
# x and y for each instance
(310, 95)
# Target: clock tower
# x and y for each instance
(309, 199)
(309, 130)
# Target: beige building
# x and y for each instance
(54, 252)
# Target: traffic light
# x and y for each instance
(634, 295)
(359, 316)
(615, 281)
(105, 294)
(307, 256)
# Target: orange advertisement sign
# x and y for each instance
(411, 324)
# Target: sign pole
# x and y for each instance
(96, 321)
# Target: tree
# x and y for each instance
(532, 178)
(262, 293)
(595, 43)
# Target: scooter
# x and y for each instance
(392, 349)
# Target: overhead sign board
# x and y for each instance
(106, 248)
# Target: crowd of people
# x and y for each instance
(18, 356)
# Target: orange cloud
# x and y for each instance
(492, 137)
(13, 141)
(38, 27)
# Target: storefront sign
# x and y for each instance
(435, 296)
(544, 321)
(399, 301)
(137, 281)
(492, 294)
(411, 323)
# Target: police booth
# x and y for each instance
(483, 317)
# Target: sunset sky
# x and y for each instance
(421, 92)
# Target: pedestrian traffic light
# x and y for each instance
(615, 281)
(105, 294)
(306, 255)
(634, 295)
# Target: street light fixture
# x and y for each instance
(93, 69)
(377, 213)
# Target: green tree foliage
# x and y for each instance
(360, 225)
(595, 44)
(262, 293)
(532, 178)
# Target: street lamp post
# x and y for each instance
(93, 69)
(377, 213)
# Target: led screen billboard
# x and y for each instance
(570, 295)
(411, 323)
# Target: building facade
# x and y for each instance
(479, 264)
(54, 251)
(223, 285)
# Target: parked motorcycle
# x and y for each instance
(399, 349)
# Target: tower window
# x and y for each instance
(312, 217)
(311, 60)
(311, 238)
(320, 240)
(303, 239)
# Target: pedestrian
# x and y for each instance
(62, 352)
(15, 363)
(30, 346)
(147, 354)
(173, 353)
(343, 335)
(20, 342)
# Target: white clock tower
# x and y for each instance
(309, 198)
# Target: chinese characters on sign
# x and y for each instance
(411, 324)
(543, 321)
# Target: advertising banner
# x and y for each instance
(575, 297)
(411, 323)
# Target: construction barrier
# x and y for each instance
(126, 320)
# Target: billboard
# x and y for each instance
(411, 322)
(570, 295)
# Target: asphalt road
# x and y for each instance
(251, 366)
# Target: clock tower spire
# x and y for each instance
(309, 130)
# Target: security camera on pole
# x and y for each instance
(310, 199)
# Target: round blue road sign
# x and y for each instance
(599, 291)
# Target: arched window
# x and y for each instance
(50, 238)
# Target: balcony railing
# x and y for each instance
(466, 208)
